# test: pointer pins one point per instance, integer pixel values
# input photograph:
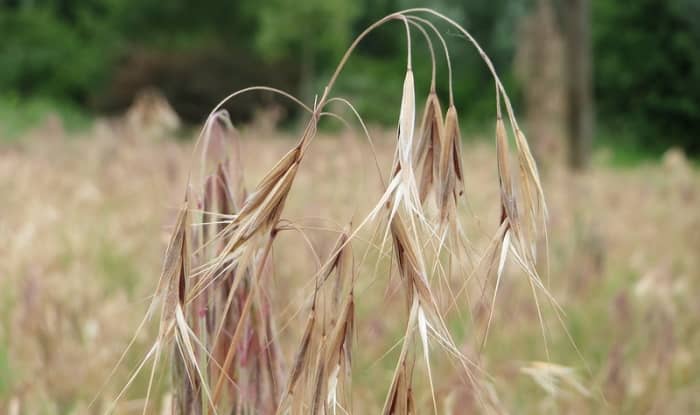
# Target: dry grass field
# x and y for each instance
(85, 222)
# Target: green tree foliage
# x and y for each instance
(309, 30)
(647, 69)
(289, 26)
(383, 55)
(53, 50)
(98, 53)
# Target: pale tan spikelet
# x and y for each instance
(258, 216)
(337, 345)
(271, 180)
(400, 391)
(431, 127)
(504, 176)
(175, 271)
(450, 176)
(343, 327)
(397, 402)
(454, 136)
(529, 160)
(302, 355)
(237, 176)
(427, 152)
(551, 377)
(319, 381)
(272, 358)
(339, 251)
(400, 400)
(410, 263)
(345, 271)
(410, 365)
(530, 174)
(411, 267)
(534, 210)
(407, 118)
(407, 263)
(243, 316)
(339, 352)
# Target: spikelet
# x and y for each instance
(175, 271)
(455, 136)
(504, 178)
(427, 152)
(450, 172)
(318, 391)
(407, 118)
(404, 188)
(302, 354)
(258, 216)
(534, 208)
(552, 378)
(399, 399)
(338, 359)
(320, 372)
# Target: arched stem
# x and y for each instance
(430, 47)
(444, 47)
(218, 106)
(473, 41)
(351, 49)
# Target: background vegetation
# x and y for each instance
(91, 182)
(94, 55)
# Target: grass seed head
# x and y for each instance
(214, 286)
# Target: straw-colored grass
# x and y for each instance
(81, 262)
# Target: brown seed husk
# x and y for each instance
(452, 130)
(504, 179)
(428, 146)
(450, 177)
(534, 208)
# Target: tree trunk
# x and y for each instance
(577, 19)
(539, 64)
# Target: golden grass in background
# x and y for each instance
(85, 223)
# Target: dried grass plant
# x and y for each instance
(218, 330)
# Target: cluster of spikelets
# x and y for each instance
(217, 323)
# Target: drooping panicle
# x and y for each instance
(217, 311)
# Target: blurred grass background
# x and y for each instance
(88, 199)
